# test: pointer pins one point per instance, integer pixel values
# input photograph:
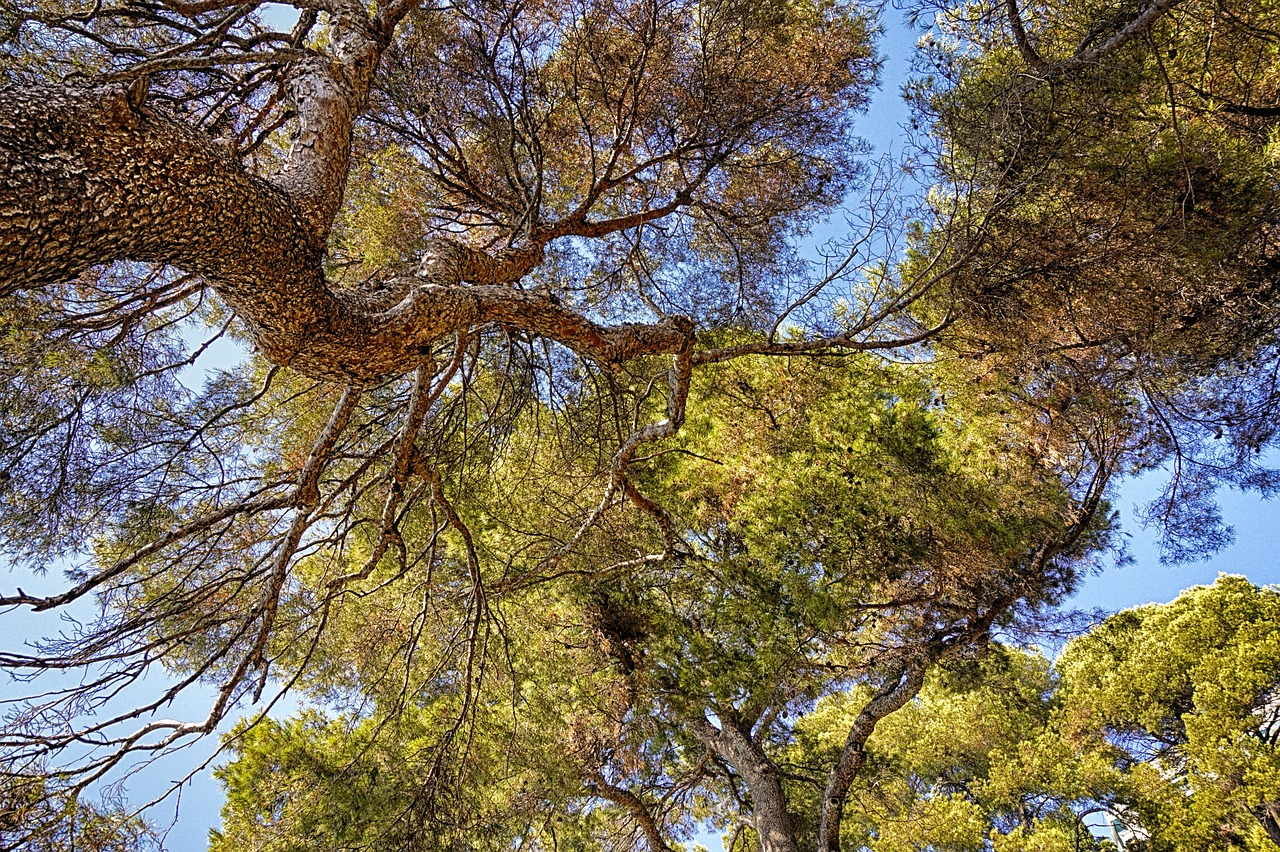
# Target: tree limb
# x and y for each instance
(1047, 69)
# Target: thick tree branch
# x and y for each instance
(1029, 54)
(634, 805)
(390, 13)
(1046, 69)
(891, 697)
(1138, 26)
(91, 178)
(770, 817)
(1268, 814)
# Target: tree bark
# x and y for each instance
(770, 817)
(1268, 813)
(635, 806)
(853, 756)
(90, 176)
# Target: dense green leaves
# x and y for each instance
(831, 521)
(1186, 693)
(1161, 720)
(647, 535)
(1116, 222)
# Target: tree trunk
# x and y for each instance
(854, 756)
(1268, 813)
(770, 817)
(90, 176)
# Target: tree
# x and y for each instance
(1184, 695)
(1161, 716)
(842, 529)
(1132, 290)
(613, 117)
(511, 275)
(62, 822)
(975, 762)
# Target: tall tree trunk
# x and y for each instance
(770, 816)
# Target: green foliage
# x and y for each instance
(1162, 716)
(37, 817)
(1185, 695)
(828, 517)
(1114, 223)
(961, 768)
(308, 784)
(492, 764)
(528, 598)
(835, 506)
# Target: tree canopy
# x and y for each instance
(1162, 718)
(554, 469)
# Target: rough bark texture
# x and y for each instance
(1268, 813)
(91, 177)
(770, 816)
(853, 756)
(634, 806)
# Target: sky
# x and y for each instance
(1146, 580)
(1257, 535)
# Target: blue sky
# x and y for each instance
(1256, 521)
(1253, 553)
